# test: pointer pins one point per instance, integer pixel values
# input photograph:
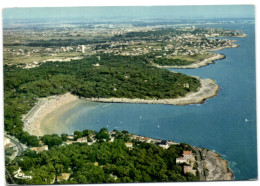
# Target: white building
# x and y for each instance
(181, 160)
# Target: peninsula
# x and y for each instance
(33, 119)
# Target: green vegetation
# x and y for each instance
(103, 162)
(180, 60)
(9, 151)
(52, 140)
(171, 62)
(117, 76)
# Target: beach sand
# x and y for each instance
(45, 106)
(57, 105)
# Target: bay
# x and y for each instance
(225, 123)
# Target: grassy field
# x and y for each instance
(37, 57)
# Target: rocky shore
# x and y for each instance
(213, 166)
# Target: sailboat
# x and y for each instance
(246, 120)
(158, 126)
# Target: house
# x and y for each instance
(96, 65)
(164, 144)
(147, 140)
(64, 176)
(111, 140)
(133, 136)
(113, 176)
(7, 141)
(91, 143)
(186, 85)
(113, 133)
(140, 138)
(173, 143)
(188, 169)
(95, 163)
(70, 142)
(129, 145)
(182, 160)
(82, 140)
(39, 149)
(188, 155)
(71, 137)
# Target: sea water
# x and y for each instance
(225, 123)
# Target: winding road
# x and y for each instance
(17, 146)
(200, 164)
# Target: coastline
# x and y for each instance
(211, 161)
(203, 62)
(198, 64)
(45, 106)
(33, 119)
(217, 166)
(208, 89)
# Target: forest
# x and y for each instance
(171, 62)
(112, 76)
(103, 162)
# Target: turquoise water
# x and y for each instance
(218, 124)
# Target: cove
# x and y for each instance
(225, 123)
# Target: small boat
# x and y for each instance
(158, 126)
(246, 120)
(140, 117)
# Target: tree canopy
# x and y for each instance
(116, 76)
(104, 162)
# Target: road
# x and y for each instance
(200, 164)
(17, 146)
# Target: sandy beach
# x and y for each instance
(45, 106)
(33, 119)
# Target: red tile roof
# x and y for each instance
(187, 153)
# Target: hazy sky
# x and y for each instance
(216, 11)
